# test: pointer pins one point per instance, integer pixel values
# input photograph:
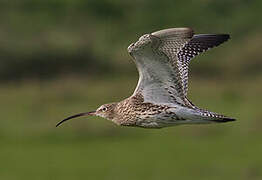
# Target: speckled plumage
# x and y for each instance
(160, 98)
(133, 111)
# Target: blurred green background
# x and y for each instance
(61, 57)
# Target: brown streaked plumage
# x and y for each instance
(160, 98)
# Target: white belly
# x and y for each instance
(171, 117)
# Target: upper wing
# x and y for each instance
(155, 55)
(198, 44)
(162, 59)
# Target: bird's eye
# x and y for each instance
(104, 109)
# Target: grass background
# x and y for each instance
(93, 148)
(61, 57)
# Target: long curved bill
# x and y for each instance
(76, 115)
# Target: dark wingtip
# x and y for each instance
(225, 37)
(211, 39)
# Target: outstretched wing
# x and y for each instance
(198, 44)
(155, 55)
(162, 59)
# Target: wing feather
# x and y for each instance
(171, 43)
(160, 80)
(198, 44)
(162, 60)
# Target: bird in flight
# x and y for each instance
(160, 98)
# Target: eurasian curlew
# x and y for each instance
(160, 98)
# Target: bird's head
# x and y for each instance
(105, 111)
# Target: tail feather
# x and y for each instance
(211, 116)
(223, 120)
(216, 117)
